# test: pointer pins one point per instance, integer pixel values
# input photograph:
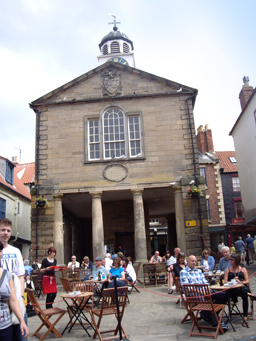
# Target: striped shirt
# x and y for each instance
(192, 276)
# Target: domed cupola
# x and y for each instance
(116, 46)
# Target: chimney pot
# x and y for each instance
(245, 92)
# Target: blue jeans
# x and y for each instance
(118, 284)
(6, 334)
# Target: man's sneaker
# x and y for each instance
(224, 326)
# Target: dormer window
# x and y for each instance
(232, 159)
(114, 47)
(9, 173)
(105, 50)
(126, 48)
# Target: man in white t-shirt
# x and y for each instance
(74, 263)
(108, 261)
(12, 261)
(172, 260)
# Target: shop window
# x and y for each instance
(238, 208)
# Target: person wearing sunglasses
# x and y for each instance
(240, 274)
(207, 261)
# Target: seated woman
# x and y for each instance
(207, 261)
(180, 265)
(241, 276)
(129, 271)
(118, 272)
(86, 263)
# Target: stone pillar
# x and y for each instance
(97, 225)
(139, 227)
(180, 223)
(58, 238)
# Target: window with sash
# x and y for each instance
(2, 207)
(114, 135)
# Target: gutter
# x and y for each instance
(194, 163)
(38, 112)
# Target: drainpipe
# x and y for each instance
(38, 112)
(194, 163)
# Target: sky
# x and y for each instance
(204, 44)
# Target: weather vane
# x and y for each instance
(114, 23)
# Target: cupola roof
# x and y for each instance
(115, 34)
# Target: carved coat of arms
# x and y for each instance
(111, 82)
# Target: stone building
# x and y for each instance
(116, 147)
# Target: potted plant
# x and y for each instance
(194, 192)
(41, 202)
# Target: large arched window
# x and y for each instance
(116, 135)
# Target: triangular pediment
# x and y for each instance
(112, 80)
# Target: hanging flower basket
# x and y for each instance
(194, 192)
(41, 202)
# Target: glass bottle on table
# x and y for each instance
(99, 276)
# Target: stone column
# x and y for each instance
(58, 238)
(180, 223)
(97, 225)
(139, 227)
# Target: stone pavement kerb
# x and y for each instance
(151, 315)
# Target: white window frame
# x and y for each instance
(236, 184)
(129, 138)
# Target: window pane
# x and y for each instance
(94, 139)
(114, 120)
(134, 135)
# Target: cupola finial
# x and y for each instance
(114, 23)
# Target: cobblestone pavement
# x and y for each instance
(151, 315)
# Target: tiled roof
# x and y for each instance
(25, 172)
(27, 176)
(225, 162)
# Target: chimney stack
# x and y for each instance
(204, 139)
(245, 93)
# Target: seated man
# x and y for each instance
(191, 275)
(73, 263)
(225, 260)
(172, 260)
(97, 268)
(155, 258)
(108, 261)
(28, 269)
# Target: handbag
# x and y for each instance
(17, 288)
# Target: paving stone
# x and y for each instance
(151, 315)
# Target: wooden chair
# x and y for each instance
(161, 273)
(176, 281)
(36, 278)
(137, 267)
(108, 307)
(83, 273)
(76, 286)
(149, 273)
(67, 273)
(199, 298)
(85, 286)
(66, 285)
(45, 316)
